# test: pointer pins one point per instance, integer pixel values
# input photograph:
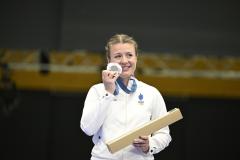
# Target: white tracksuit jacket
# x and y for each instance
(106, 116)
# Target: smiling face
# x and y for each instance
(125, 55)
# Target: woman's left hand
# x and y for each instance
(142, 143)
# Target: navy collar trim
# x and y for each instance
(119, 83)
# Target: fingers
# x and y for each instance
(144, 137)
(109, 78)
(142, 143)
(137, 144)
(112, 75)
(141, 139)
(109, 75)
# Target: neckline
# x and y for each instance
(119, 84)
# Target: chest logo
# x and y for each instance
(140, 99)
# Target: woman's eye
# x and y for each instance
(118, 56)
(129, 55)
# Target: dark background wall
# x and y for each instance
(45, 125)
(203, 27)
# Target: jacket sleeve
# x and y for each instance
(95, 110)
(161, 138)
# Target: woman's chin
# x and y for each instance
(125, 75)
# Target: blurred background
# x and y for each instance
(52, 51)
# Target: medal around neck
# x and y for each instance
(114, 67)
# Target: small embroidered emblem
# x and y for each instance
(140, 97)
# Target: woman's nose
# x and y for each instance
(124, 59)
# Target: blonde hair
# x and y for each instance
(120, 38)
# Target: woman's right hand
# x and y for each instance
(109, 78)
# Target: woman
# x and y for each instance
(122, 103)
